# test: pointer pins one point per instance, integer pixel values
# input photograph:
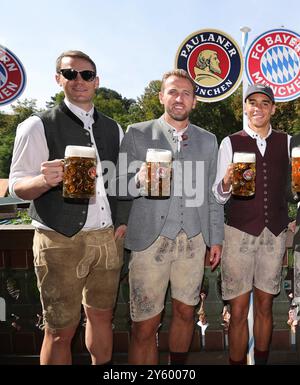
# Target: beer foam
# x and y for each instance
(80, 151)
(296, 152)
(243, 157)
(158, 155)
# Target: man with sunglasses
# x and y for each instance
(75, 246)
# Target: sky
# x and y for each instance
(132, 41)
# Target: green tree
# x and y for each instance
(108, 101)
(148, 106)
(21, 111)
(112, 104)
(221, 118)
(56, 99)
(287, 117)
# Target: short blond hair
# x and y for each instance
(180, 73)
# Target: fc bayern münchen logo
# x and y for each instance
(273, 58)
(12, 76)
(214, 61)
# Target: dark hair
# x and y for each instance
(180, 73)
(75, 54)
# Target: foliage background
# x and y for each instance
(222, 118)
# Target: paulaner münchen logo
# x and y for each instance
(214, 61)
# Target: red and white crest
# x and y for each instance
(273, 59)
(12, 76)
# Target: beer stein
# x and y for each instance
(296, 169)
(244, 170)
(79, 180)
(158, 179)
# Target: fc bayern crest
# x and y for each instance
(214, 61)
(273, 58)
(12, 76)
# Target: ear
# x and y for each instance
(194, 103)
(58, 79)
(97, 82)
(161, 95)
(273, 109)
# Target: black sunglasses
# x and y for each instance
(71, 74)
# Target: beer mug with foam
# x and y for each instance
(158, 179)
(79, 180)
(243, 183)
(296, 169)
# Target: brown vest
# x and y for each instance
(268, 207)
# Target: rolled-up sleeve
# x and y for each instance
(30, 150)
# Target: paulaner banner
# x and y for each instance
(214, 61)
(273, 58)
(12, 76)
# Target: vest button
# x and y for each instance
(266, 213)
(265, 177)
(266, 221)
(264, 163)
(264, 170)
(80, 223)
(83, 212)
(265, 192)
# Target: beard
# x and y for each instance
(215, 68)
(178, 116)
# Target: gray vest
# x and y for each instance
(181, 217)
(62, 127)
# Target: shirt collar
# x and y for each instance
(254, 134)
(79, 112)
(174, 131)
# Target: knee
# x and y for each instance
(263, 309)
(239, 315)
(184, 313)
(143, 331)
(58, 338)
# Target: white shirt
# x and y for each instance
(31, 149)
(225, 159)
(177, 134)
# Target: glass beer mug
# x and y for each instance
(158, 179)
(296, 169)
(243, 183)
(79, 180)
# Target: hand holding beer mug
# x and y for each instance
(79, 179)
(243, 182)
(158, 175)
(296, 169)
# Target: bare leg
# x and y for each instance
(143, 349)
(56, 348)
(99, 334)
(182, 326)
(263, 319)
(238, 333)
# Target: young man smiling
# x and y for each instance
(75, 252)
(255, 232)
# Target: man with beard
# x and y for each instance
(168, 237)
(207, 68)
